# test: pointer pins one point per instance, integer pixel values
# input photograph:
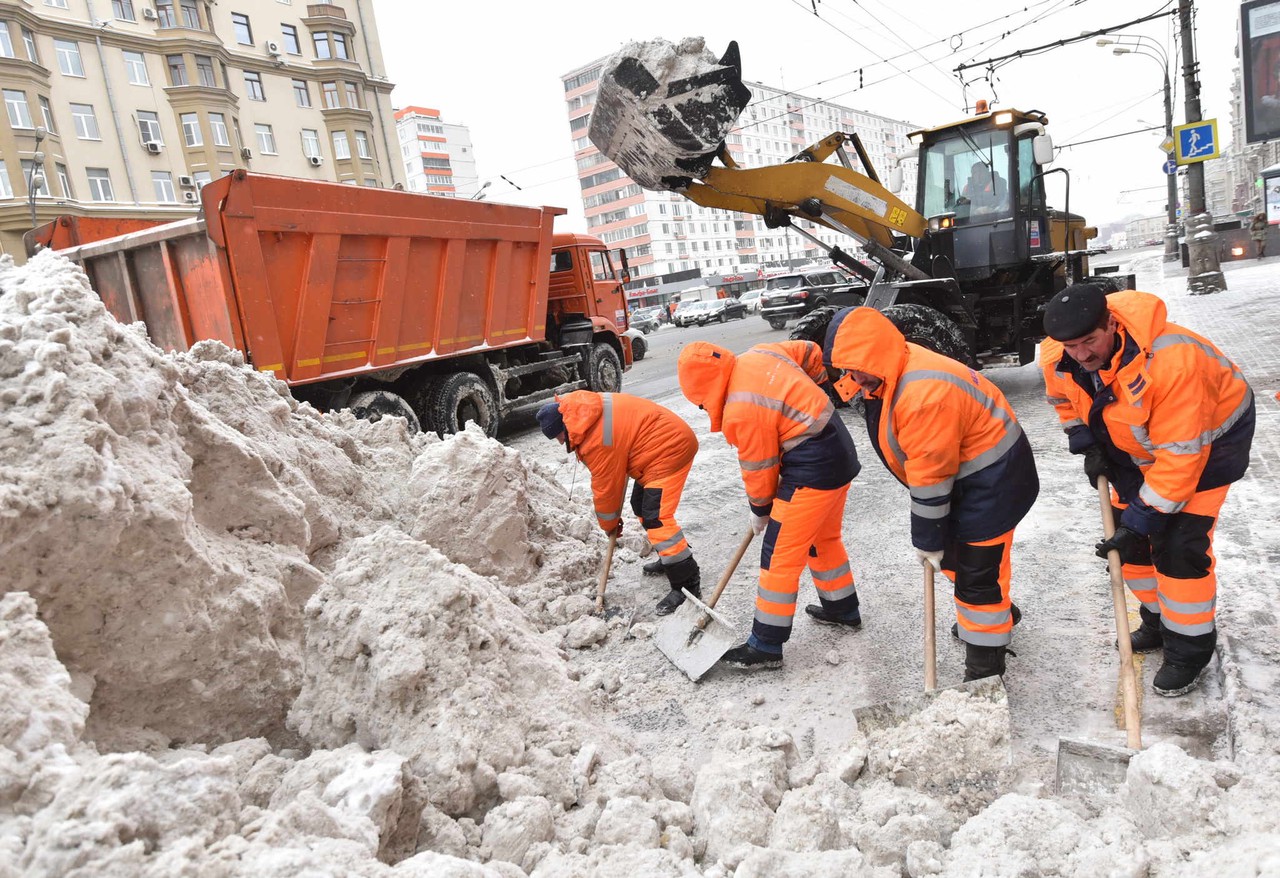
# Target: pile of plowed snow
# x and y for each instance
(239, 637)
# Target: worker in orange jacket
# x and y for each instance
(797, 461)
(619, 436)
(1169, 420)
(950, 436)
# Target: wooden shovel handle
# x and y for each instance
(930, 633)
(1128, 675)
(733, 566)
(604, 571)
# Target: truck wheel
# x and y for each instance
(463, 397)
(639, 347)
(777, 323)
(604, 369)
(930, 328)
(374, 405)
(813, 326)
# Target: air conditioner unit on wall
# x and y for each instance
(246, 153)
(148, 13)
(190, 196)
(316, 161)
(154, 146)
(273, 48)
(186, 182)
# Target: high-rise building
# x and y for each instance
(127, 107)
(668, 236)
(438, 156)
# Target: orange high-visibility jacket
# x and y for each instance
(1175, 415)
(943, 430)
(771, 409)
(618, 435)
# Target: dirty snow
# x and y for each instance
(240, 637)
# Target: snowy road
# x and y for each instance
(1063, 680)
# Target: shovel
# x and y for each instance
(695, 636)
(611, 612)
(890, 714)
(1085, 767)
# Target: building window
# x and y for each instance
(201, 179)
(64, 180)
(204, 72)
(321, 41)
(149, 126)
(253, 86)
(341, 149)
(165, 16)
(218, 125)
(362, 145)
(6, 42)
(371, 182)
(86, 122)
(29, 174)
(330, 90)
(29, 40)
(136, 68)
(190, 14)
(353, 94)
(100, 184)
(289, 34)
(310, 142)
(123, 10)
(340, 47)
(191, 135)
(61, 4)
(46, 113)
(68, 52)
(301, 93)
(266, 139)
(240, 25)
(177, 69)
(6, 188)
(15, 103)
(162, 183)
(426, 128)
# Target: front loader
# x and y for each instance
(966, 270)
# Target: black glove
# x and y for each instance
(1124, 541)
(1097, 464)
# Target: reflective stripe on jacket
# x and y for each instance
(618, 435)
(1175, 415)
(771, 409)
(943, 430)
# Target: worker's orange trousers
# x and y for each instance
(979, 572)
(803, 530)
(654, 503)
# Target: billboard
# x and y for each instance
(1260, 61)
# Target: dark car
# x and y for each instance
(790, 296)
(644, 319)
(720, 310)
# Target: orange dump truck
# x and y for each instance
(436, 309)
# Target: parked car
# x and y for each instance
(686, 312)
(751, 298)
(639, 346)
(720, 310)
(789, 296)
(644, 319)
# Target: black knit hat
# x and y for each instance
(1075, 312)
(550, 421)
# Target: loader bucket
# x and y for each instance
(663, 110)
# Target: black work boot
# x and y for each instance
(983, 661)
(654, 568)
(820, 614)
(674, 599)
(1173, 680)
(748, 658)
(1013, 611)
(1146, 638)
(682, 575)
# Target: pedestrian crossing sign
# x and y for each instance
(1196, 141)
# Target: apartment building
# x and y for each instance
(127, 107)
(438, 156)
(666, 235)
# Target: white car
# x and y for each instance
(751, 298)
(639, 346)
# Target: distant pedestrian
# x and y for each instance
(1258, 231)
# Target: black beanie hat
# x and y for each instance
(1075, 312)
(550, 421)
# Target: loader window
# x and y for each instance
(968, 175)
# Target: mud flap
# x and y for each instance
(663, 110)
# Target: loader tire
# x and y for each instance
(459, 398)
(604, 369)
(374, 405)
(639, 347)
(930, 328)
(813, 326)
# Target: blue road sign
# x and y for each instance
(1170, 167)
(1196, 142)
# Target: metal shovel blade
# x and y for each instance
(1086, 769)
(692, 644)
(891, 714)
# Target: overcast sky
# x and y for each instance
(495, 67)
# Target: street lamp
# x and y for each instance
(35, 179)
(480, 192)
(1149, 48)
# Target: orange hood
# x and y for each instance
(580, 409)
(866, 341)
(1143, 315)
(704, 370)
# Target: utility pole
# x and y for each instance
(1205, 273)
